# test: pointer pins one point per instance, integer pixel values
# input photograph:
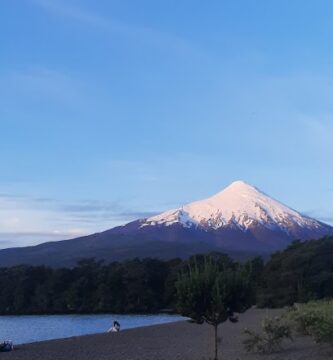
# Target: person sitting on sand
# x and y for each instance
(115, 327)
(7, 346)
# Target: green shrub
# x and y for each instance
(314, 319)
(274, 332)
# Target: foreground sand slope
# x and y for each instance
(178, 341)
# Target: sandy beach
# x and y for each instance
(181, 340)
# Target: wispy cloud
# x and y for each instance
(136, 32)
(38, 83)
(67, 10)
(324, 216)
(99, 208)
(90, 211)
(23, 238)
(320, 130)
(326, 219)
(26, 220)
(119, 218)
(5, 243)
(11, 196)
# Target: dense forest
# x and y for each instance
(302, 272)
(134, 286)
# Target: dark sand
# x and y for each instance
(181, 340)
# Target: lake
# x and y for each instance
(26, 329)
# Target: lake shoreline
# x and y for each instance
(99, 333)
(146, 342)
(35, 328)
(173, 341)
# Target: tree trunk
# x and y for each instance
(216, 341)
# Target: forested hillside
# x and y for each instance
(302, 272)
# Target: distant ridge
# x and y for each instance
(238, 220)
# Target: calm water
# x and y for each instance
(26, 329)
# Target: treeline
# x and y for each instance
(135, 286)
(302, 272)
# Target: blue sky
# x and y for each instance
(114, 110)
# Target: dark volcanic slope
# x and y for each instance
(113, 245)
(160, 242)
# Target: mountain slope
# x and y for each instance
(239, 220)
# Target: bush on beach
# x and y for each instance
(274, 332)
(313, 319)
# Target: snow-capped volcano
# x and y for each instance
(240, 221)
(239, 206)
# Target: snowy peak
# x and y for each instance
(238, 206)
(239, 185)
